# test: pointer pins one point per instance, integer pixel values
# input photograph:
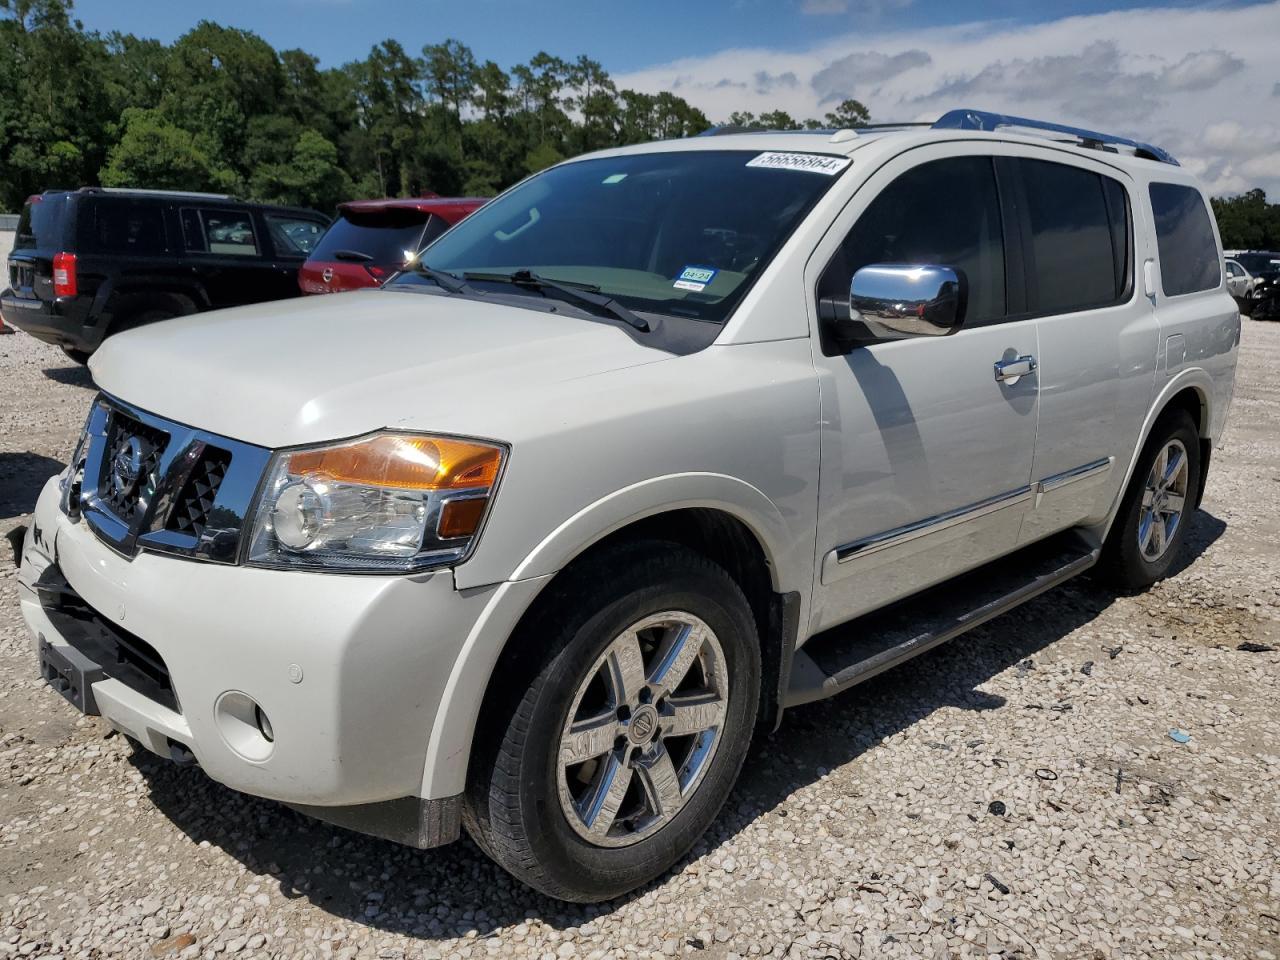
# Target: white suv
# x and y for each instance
(533, 539)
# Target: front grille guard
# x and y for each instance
(166, 489)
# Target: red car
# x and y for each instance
(372, 239)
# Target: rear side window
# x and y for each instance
(1184, 234)
(386, 237)
(945, 212)
(40, 224)
(1079, 237)
(219, 232)
(121, 226)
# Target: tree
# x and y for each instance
(850, 113)
(1247, 221)
(154, 153)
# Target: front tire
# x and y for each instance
(1151, 526)
(79, 356)
(616, 756)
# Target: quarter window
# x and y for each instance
(1079, 238)
(943, 212)
(1184, 235)
(293, 237)
(125, 227)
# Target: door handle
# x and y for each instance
(1011, 371)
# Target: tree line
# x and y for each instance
(1248, 221)
(221, 110)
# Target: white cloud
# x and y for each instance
(1200, 83)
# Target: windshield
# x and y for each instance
(1257, 263)
(388, 237)
(682, 233)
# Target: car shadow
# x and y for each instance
(73, 376)
(22, 477)
(399, 890)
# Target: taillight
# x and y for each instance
(64, 274)
(378, 273)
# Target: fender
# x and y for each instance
(449, 743)
(1195, 377)
(656, 495)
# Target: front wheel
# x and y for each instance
(79, 356)
(625, 743)
(1152, 524)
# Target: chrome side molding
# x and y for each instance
(930, 525)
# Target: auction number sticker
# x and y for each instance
(695, 278)
(811, 162)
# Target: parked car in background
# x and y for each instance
(372, 239)
(1257, 274)
(91, 262)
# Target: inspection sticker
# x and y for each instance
(812, 162)
(695, 278)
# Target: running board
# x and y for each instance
(856, 651)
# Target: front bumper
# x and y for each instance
(348, 670)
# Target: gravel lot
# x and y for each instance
(1015, 793)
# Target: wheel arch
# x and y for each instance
(714, 528)
(1191, 390)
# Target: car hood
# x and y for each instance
(324, 368)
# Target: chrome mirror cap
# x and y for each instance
(915, 300)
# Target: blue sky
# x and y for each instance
(624, 36)
(1197, 79)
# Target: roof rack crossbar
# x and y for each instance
(984, 120)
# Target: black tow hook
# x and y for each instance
(15, 537)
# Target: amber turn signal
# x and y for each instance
(404, 462)
(460, 518)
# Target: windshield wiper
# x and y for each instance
(575, 293)
(450, 282)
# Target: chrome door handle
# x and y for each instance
(1011, 371)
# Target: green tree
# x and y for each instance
(154, 153)
(850, 113)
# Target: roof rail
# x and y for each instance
(984, 120)
(724, 129)
(159, 193)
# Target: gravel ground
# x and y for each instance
(1015, 793)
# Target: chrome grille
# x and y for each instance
(125, 435)
(153, 484)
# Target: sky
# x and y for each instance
(1201, 80)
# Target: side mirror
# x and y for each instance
(914, 300)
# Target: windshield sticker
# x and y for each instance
(614, 178)
(695, 278)
(811, 162)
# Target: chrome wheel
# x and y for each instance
(643, 729)
(1163, 501)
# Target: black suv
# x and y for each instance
(91, 262)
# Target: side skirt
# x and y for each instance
(856, 651)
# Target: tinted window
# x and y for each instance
(1188, 253)
(385, 237)
(40, 225)
(292, 236)
(1257, 263)
(944, 212)
(1079, 237)
(221, 232)
(121, 226)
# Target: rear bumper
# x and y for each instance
(45, 321)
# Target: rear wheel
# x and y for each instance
(1152, 524)
(628, 736)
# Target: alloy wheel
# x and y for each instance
(1163, 501)
(643, 729)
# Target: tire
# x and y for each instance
(141, 319)
(531, 812)
(1133, 556)
(79, 356)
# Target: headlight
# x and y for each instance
(71, 479)
(389, 502)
